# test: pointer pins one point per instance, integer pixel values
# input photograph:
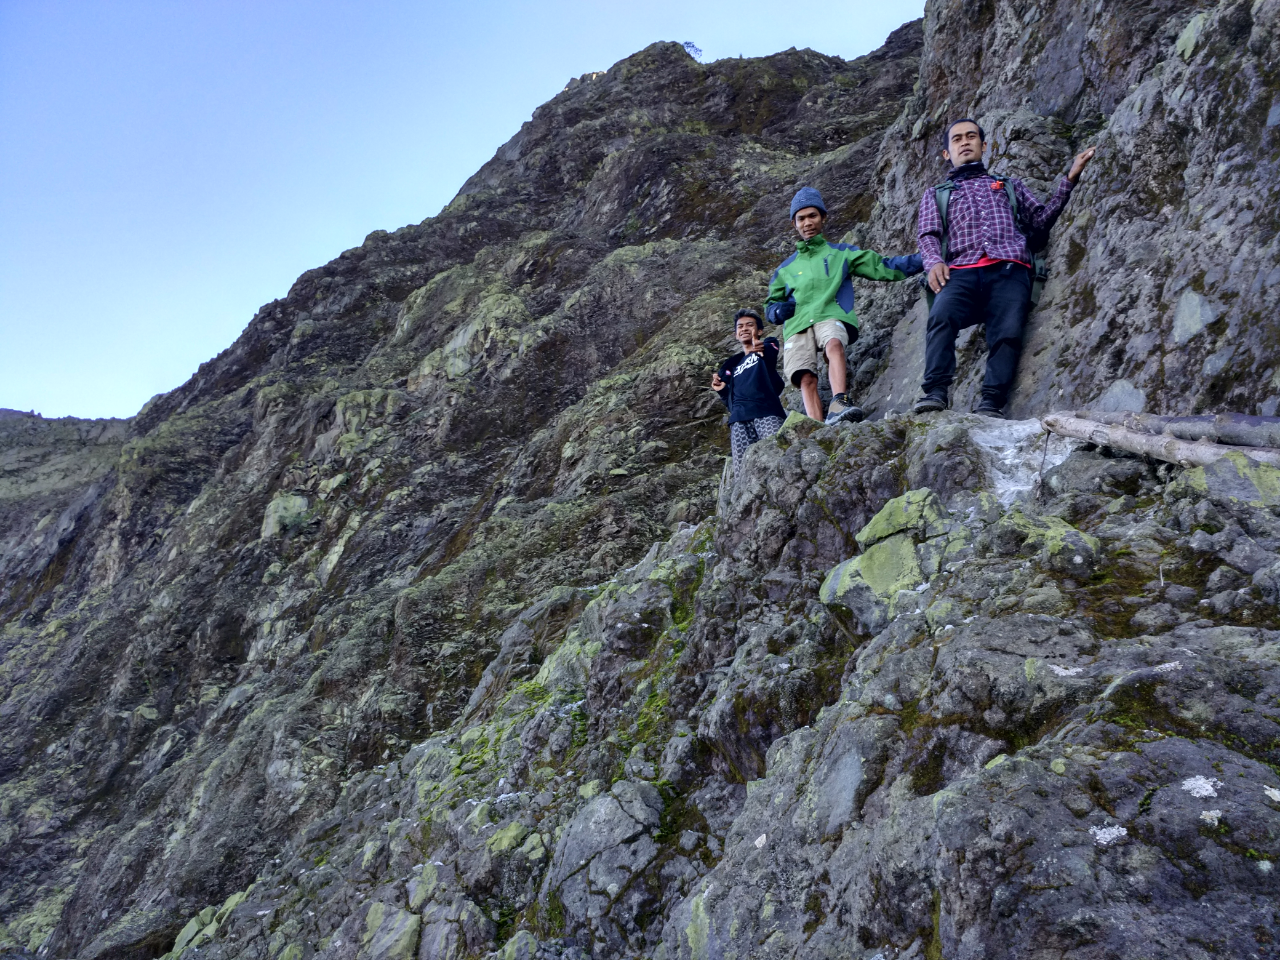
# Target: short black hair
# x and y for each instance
(748, 313)
(946, 134)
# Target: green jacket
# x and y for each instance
(816, 282)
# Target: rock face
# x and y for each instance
(421, 623)
(1166, 263)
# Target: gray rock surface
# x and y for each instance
(423, 620)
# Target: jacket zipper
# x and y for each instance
(825, 269)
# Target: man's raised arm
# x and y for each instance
(1042, 216)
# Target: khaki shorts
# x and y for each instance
(801, 350)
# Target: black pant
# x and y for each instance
(998, 295)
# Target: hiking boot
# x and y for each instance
(930, 403)
(988, 408)
(841, 410)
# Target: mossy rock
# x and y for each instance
(522, 946)
(508, 838)
(390, 933)
(918, 512)
(283, 513)
(1056, 544)
(890, 565)
(1233, 480)
(798, 425)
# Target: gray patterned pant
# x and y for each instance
(744, 434)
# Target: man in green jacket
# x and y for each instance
(811, 295)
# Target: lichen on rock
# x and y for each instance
(425, 620)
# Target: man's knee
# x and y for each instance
(808, 379)
(1006, 328)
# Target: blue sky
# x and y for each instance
(167, 167)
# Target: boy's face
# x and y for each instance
(809, 222)
(746, 331)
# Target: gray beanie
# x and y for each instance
(807, 197)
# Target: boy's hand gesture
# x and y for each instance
(757, 344)
(716, 383)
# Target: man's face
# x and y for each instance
(809, 222)
(964, 144)
(746, 330)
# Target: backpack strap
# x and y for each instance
(1039, 262)
(942, 197)
(1012, 194)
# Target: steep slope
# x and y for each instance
(420, 623)
(1032, 714)
(302, 560)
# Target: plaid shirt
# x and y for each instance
(980, 223)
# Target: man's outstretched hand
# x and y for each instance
(939, 274)
(1081, 161)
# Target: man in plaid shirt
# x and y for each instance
(985, 274)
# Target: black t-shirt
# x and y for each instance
(752, 384)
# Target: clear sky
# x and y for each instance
(167, 167)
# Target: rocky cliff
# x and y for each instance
(421, 623)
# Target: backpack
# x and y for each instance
(1037, 240)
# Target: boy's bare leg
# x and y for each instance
(836, 369)
(809, 393)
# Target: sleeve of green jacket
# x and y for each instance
(780, 305)
(871, 266)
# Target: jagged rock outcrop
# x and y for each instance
(421, 623)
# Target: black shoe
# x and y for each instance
(930, 403)
(987, 408)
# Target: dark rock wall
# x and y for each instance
(1164, 265)
(419, 622)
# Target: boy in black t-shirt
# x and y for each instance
(749, 385)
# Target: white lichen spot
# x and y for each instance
(1202, 788)
(1264, 866)
(1168, 667)
(1077, 559)
(1106, 836)
(1211, 817)
(1272, 793)
(1065, 671)
(761, 841)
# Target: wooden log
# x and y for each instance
(1237, 429)
(1161, 446)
